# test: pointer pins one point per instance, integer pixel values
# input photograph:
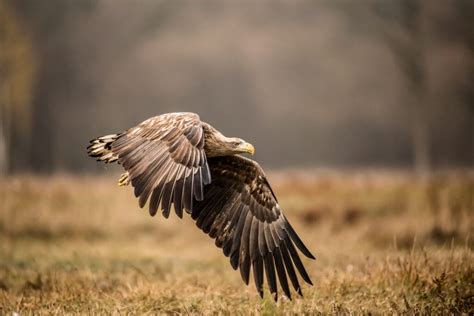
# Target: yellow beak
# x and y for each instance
(247, 148)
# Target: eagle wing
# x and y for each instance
(241, 212)
(166, 162)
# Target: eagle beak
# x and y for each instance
(247, 148)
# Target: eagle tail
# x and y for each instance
(100, 148)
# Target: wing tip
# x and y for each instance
(299, 291)
(274, 296)
(297, 240)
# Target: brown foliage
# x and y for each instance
(81, 245)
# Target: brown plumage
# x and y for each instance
(176, 159)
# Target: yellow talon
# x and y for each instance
(124, 180)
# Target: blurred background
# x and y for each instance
(337, 84)
(362, 112)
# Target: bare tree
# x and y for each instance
(402, 26)
(17, 69)
(411, 55)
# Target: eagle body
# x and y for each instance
(177, 160)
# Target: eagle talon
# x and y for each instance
(124, 179)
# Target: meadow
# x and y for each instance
(385, 241)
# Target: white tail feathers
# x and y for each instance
(100, 148)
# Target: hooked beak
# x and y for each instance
(247, 148)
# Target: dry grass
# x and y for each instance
(385, 242)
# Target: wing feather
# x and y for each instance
(270, 272)
(257, 266)
(166, 161)
(240, 212)
(291, 270)
(244, 262)
(280, 268)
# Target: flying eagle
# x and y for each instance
(177, 159)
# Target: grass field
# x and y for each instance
(385, 242)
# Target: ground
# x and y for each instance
(385, 242)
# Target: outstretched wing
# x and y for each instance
(242, 214)
(166, 162)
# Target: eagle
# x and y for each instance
(175, 159)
